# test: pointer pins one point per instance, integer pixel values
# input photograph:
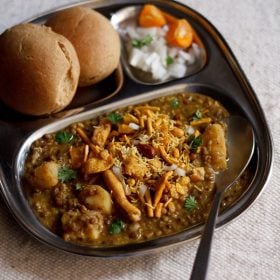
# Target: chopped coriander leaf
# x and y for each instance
(190, 203)
(197, 115)
(169, 60)
(139, 43)
(175, 103)
(116, 227)
(114, 118)
(63, 137)
(66, 174)
(195, 142)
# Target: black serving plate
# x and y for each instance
(220, 77)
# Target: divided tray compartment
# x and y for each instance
(220, 78)
(126, 17)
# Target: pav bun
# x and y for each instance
(96, 42)
(39, 69)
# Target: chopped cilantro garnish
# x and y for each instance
(175, 103)
(169, 60)
(66, 174)
(197, 115)
(116, 227)
(63, 137)
(139, 43)
(114, 118)
(190, 203)
(195, 142)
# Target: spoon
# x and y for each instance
(240, 147)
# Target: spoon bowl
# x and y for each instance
(240, 148)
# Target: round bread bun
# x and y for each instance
(39, 70)
(96, 42)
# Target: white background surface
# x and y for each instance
(248, 248)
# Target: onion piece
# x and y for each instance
(152, 56)
(177, 70)
(158, 70)
(196, 50)
(190, 130)
(170, 167)
(144, 31)
(165, 28)
(142, 189)
(180, 172)
(132, 32)
(118, 172)
(134, 126)
(136, 57)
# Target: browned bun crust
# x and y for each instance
(96, 41)
(39, 69)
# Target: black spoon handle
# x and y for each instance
(199, 271)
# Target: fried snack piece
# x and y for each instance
(134, 168)
(113, 183)
(101, 133)
(98, 163)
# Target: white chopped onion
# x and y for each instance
(188, 57)
(177, 70)
(165, 28)
(152, 31)
(132, 32)
(180, 172)
(170, 167)
(158, 70)
(173, 52)
(190, 130)
(152, 58)
(161, 32)
(117, 171)
(196, 49)
(142, 189)
(136, 57)
(134, 126)
(185, 55)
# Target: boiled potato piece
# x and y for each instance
(95, 197)
(46, 175)
(214, 140)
